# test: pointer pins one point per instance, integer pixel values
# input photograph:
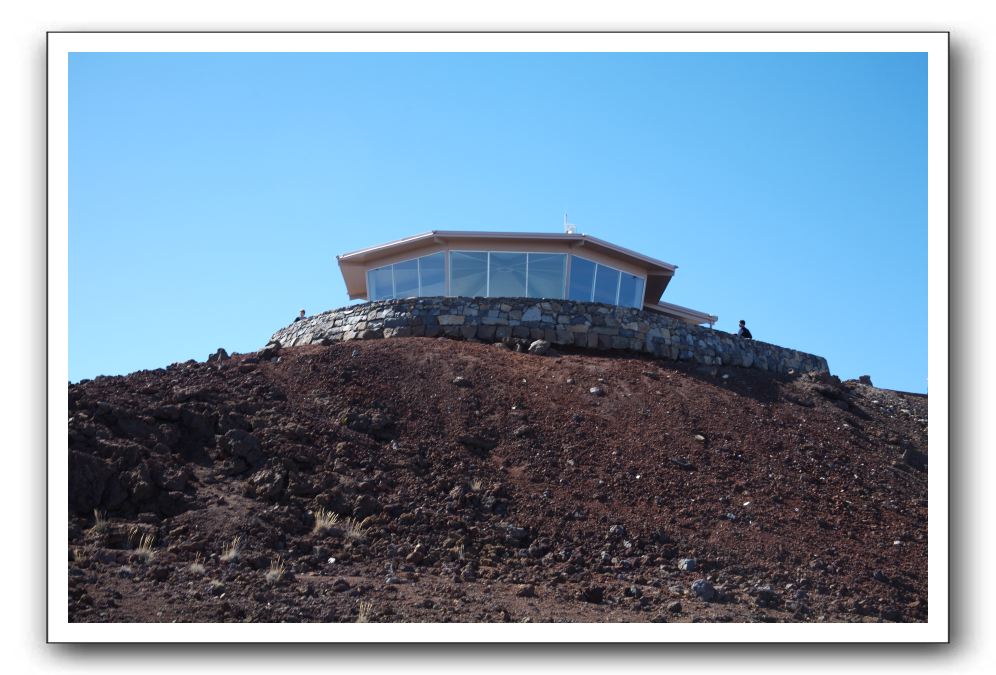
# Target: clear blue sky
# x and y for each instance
(210, 193)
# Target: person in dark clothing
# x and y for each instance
(302, 317)
(744, 332)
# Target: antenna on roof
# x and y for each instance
(569, 228)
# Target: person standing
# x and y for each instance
(744, 332)
(302, 317)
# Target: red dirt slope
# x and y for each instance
(475, 483)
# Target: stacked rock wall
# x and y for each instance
(561, 322)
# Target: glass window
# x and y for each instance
(606, 285)
(582, 279)
(631, 291)
(406, 279)
(546, 275)
(380, 283)
(507, 275)
(468, 274)
(432, 274)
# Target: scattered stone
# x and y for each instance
(527, 591)
(700, 438)
(516, 536)
(866, 379)
(340, 585)
(764, 596)
(417, 555)
(687, 564)
(461, 381)
(674, 607)
(596, 391)
(703, 589)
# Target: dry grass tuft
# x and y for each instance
(230, 552)
(276, 571)
(476, 485)
(197, 567)
(324, 520)
(353, 529)
(84, 553)
(364, 613)
(99, 522)
(143, 550)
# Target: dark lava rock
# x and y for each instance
(617, 532)
(764, 596)
(592, 594)
(365, 506)
(914, 458)
(267, 484)
(516, 536)
(270, 351)
(703, 589)
(220, 355)
(242, 444)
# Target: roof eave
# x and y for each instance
(443, 235)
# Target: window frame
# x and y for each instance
(594, 278)
(563, 282)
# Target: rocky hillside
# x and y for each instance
(420, 479)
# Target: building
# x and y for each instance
(567, 266)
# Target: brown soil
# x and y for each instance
(514, 494)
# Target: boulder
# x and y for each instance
(703, 589)
(539, 347)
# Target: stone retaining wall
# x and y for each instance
(560, 322)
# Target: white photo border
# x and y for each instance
(934, 44)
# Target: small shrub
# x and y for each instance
(364, 612)
(476, 485)
(230, 552)
(324, 520)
